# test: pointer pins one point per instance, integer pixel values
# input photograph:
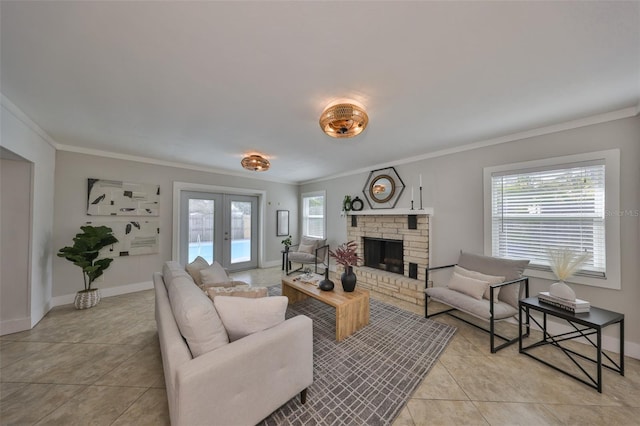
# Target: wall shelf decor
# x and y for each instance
(383, 188)
(117, 198)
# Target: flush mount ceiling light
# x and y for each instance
(256, 163)
(344, 119)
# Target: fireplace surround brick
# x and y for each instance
(415, 250)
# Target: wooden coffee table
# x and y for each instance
(352, 309)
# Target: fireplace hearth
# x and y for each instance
(384, 254)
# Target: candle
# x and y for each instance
(420, 180)
(412, 193)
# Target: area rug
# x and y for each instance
(367, 378)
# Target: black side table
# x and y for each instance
(285, 259)
(585, 324)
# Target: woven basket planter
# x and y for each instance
(87, 299)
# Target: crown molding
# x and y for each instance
(154, 161)
(24, 118)
(569, 125)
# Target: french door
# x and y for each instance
(220, 227)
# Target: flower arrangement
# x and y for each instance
(565, 262)
(346, 254)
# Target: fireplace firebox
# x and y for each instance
(384, 254)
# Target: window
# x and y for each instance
(554, 203)
(313, 214)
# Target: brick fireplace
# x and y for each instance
(403, 281)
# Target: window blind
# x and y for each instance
(558, 207)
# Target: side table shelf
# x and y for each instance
(584, 325)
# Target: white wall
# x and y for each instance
(15, 183)
(21, 136)
(134, 272)
(453, 186)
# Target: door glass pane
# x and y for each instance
(201, 230)
(240, 231)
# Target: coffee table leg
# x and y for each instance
(351, 317)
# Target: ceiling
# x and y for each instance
(204, 83)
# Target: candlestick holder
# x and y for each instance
(421, 208)
(411, 204)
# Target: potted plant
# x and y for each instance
(564, 263)
(286, 242)
(347, 255)
(84, 253)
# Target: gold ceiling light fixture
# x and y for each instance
(344, 119)
(256, 163)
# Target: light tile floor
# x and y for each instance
(102, 366)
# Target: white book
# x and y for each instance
(578, 303)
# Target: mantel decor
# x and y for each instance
(383, 188)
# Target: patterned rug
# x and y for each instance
(367, 378)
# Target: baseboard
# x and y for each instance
(105, 292)
(15, 325)
(609, 343)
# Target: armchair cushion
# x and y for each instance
(299, 257)
(490, 279)
(510, 269)
(469, 286)
(477, 307)
(307, 248)
(242, 316)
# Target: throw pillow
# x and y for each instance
(242, 291)
(482, 277)
(213, 275)
(194, 268)
(307, 248)
(469, 286)
(509, 268)
(242, 316)
(196, 317)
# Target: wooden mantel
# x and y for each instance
(383, 212)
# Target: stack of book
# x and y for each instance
(577, 306)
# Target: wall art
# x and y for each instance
(134, 237)
(117, 198)
(383, 188)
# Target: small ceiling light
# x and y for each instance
(344, 119)
(256, 163)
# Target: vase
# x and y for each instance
(86, 299)
(562, 290)
(348, 279)
(326, 284)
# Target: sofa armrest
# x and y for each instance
(246, 380)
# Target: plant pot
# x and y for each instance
(348, 279)
(86, 299)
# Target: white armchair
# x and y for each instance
(310, 251)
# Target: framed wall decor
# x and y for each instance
(117, 198)
(383, 188)
(282, 223)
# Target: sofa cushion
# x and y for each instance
(240, 291)
(469, 286)
(510, 269)
(213, 275)
(476, 307)
(194, 268)
(171, 270)
(196, 317)
(242, 316)
(491, 279)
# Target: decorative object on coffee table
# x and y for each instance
(347, 256)
(84, 253)
(564, 263)
(326, 284)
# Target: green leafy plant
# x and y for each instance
(86, 249)
(346, 254)
(287, 241)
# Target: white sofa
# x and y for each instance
(239, 383)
